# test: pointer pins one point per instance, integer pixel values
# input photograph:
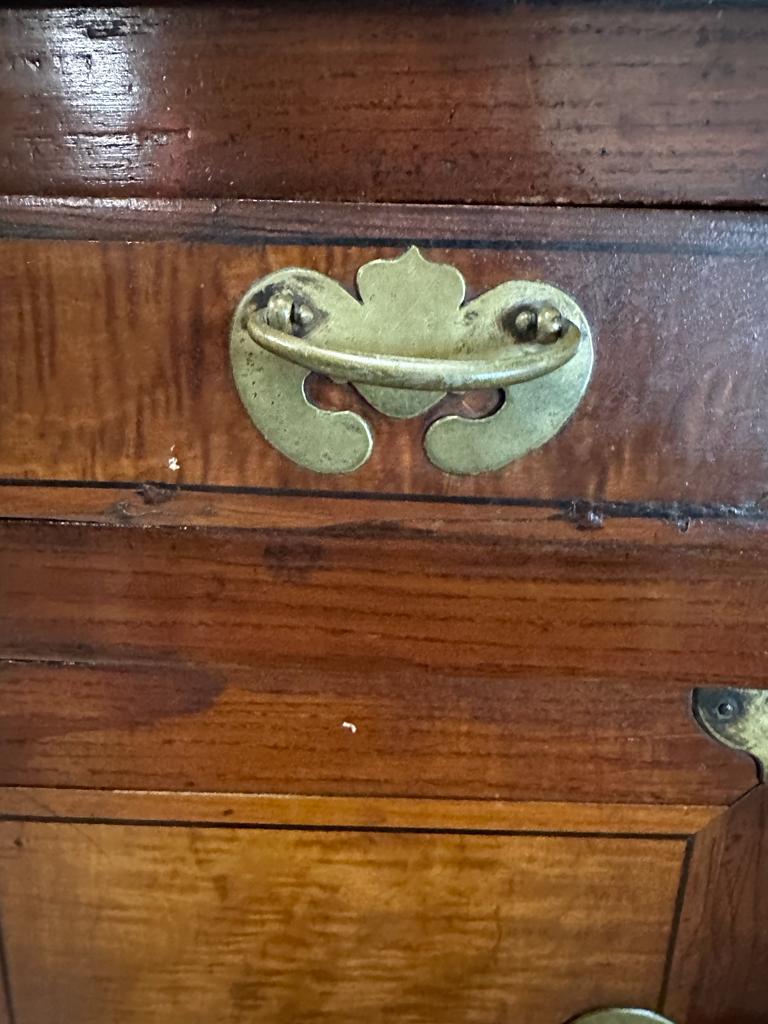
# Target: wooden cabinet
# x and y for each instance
(396, 744)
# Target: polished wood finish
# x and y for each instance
(277, 747)
(720, 969)
(474, 661)
(568, 102)
(674, 413)
(195, 925)
(456, 733)
(369, 812)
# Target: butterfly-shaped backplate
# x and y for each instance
(409, 307)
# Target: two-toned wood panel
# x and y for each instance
(272, 754)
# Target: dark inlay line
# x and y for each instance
(674, 930)
(278, 222)
(570, 506)
(53, 819)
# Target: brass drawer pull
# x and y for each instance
(404, 345)
(513, 364)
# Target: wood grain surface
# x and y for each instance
(143, 504)
(720, 969)
(6, 1008)
(381, 732)
(191, 926)
(436, 751)
(591, 103)
(163, 807)
(478, 663)
(117, 369)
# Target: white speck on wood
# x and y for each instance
(349, 725)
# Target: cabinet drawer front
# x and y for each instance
(194, 925)
(474, 656)
(610, 103)
(117, 351)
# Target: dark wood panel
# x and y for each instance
(720, 970)
(137, 924)
(117, 368)
(482, 102)
(481, 662)
(378, 732)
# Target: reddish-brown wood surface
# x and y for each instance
(116, 922)
(378, 664)
(474, 659)
(258, 221)
(115, 356)
(142, 504)
(377, 732)
(587, 103)
(720, 968)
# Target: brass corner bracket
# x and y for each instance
(404, 344)
(737, 718)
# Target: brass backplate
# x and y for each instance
(409, 322)
(736, 717)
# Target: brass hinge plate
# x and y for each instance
(736, 717)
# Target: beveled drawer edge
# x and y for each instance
(258, 221)
(348, 812)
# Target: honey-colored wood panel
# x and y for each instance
(193, 925)
(116, 367)
(720, 969)
(473, 660)
(160, 807)
(620, 102)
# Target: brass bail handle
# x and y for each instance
(541, 340)
(403, 340)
